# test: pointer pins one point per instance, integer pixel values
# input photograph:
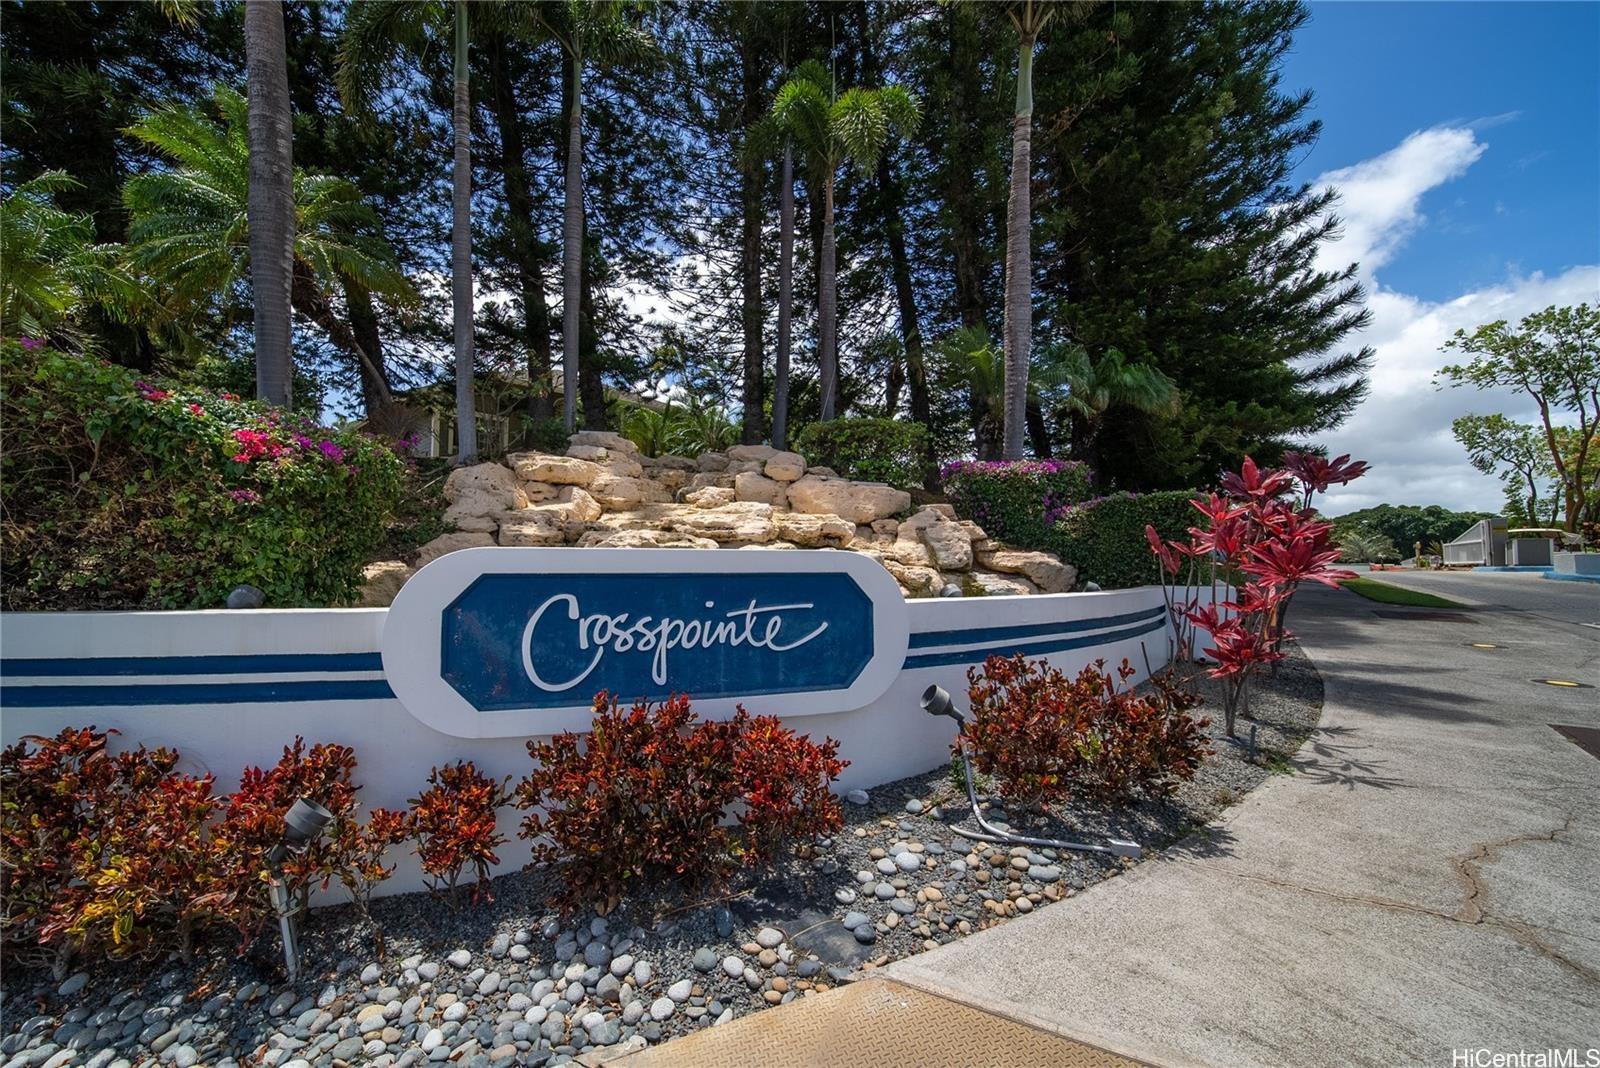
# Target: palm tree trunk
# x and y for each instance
(893, 203)
(270, 210)
(461, 251)
(572, 246)
(828, 306)
(751, 174)
(368, 339)
(1019, 257)
(525, 251)
(780, 387)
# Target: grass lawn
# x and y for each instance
(1386, 593)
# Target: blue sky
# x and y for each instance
(1465, 140)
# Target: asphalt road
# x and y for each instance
(1564, 602)
(1427, 881)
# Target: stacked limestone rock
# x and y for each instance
(603, 492)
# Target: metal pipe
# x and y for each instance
(936, 702)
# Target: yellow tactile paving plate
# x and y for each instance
(877, 1022)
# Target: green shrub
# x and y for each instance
(867, 450)
(122, 493)
(1104, 538)
(1015, 501)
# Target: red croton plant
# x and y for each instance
(1259, 540)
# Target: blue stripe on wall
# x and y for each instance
(257, 664)
(189, 693)
(976, 656)
(1001, 640)
(930, 638)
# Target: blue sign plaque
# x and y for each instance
(504, 642)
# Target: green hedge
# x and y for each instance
(123, 493)
(1016, 501)
(1104, 538)
(867, 450)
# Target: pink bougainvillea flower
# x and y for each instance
(245, 496)
(32, 344)
(330, 450)
(196, 409)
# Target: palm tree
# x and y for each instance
(1029, 17)
(832, 129)
(585, 29)
(1094, 386)
(271, 197)
(1062, 378)
(375, 32)
(53, 268)
(190, 229)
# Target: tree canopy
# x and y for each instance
(1172, 259)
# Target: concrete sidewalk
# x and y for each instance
(1428, 880)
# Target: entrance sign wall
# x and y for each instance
(231, 689)
(501, 643)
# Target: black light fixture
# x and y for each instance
(303, 824)
(936, 702)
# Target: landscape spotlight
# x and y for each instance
(936, 702)
(302, 824)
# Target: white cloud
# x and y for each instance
(1380, 198)
(1403, 428)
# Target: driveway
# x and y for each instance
(1426, 881)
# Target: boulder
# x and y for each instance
(643, 539)
(712, 461)
(813, 531)
(749, 486)
(785, 466)
(915, 581)
(823, 472)
(623, 466)
(619, 493)
(674, 463)
(1042, 569)
(986, 584)
(556, 470)
(380, 582)
(605, 439)
(887, 528)
(739, 523)
(671, 478)
(709, 496)
(577, 504)
(907, 551)
(449, 543)
(470, 520)
(592, 453)
(945, 538)
(543, 525)
(710, 478)
(981, 542)
(763, 453)
(859, 502)
(540, 492)
(769, 545)
(482, 490)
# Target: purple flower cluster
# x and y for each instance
(1007, 467)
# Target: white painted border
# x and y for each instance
(411, 634)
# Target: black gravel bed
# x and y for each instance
(512, 982)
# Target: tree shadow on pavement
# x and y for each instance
(1330, 757)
